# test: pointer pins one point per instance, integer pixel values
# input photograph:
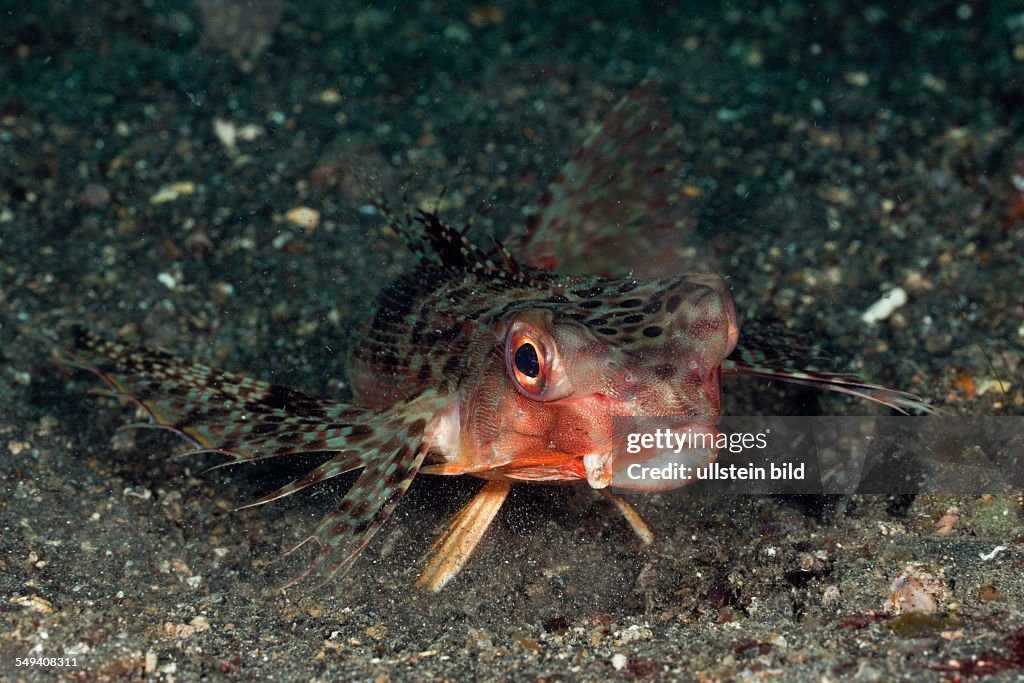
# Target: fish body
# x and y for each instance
(534, 365)
(485, 363)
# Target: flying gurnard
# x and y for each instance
(508, 364)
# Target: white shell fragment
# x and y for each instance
(991, 555)
(229, 134)
(168, 193)
(884, 307)
(914, 589)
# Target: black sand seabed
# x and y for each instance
(834, 153)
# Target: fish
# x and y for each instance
(495, 361)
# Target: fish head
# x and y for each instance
(659, 347)
(571, 363)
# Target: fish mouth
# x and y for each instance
(670, 460)
(587, 442)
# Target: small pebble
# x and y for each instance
(859, 79)
(619, 662)
(485, 15)
(34, 603)
(330, 96)
(167, 280)
(249, 132)
(199, 244)
(884, 307)
(168, 193)
(304, 217)
(226, 132)
(94, 196)
(18, 447)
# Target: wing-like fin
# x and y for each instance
(902, 401)
(616, 205)
(767, 350)
(252, 420)
(345, 531)
(244, 418)
(336, 466)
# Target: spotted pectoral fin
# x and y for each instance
(769, 351)
(244, 418)
(851, 385)
(253, 420)
(345, 531)
(776, 356)
(618, 205)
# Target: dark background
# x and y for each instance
(835, 151)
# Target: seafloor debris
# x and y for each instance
(34, 603)
(172, 191)
(915, 590)
(947, 524)
(885, 306)
(242, 28)
(303, 216)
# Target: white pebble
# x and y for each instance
(303, 216)
(226, 132)
(884, 307)
(619, 662)
(168, 193)
(167, 280)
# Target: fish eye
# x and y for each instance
(533, 363)
(527, 365)
(526, 360)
